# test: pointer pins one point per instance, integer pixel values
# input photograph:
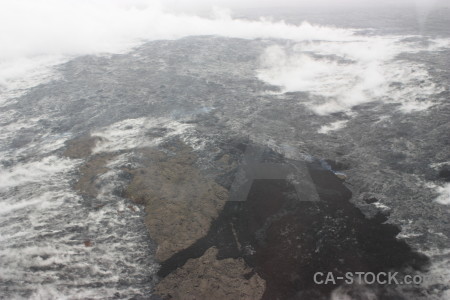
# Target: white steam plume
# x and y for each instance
(37, 33)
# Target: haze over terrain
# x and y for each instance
(124, 125)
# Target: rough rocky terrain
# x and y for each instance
(373, 217)
(267, 247)
(207, 277)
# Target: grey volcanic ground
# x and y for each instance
(60, 238)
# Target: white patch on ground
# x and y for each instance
(438, 165)
(439, 271)
(40, 142)
(22, 73)
(408, 230)
(325, 129)
(342, 74)
(43, 228)
(49, 168)
(381, 206)
(11, 125)
(438, 274)
(444, 194)
(137, 133)
(403, 235)
(348, 292)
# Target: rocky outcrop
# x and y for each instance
(207, 277)
(266, 247)
(285, 237)
(90, 171)
(81, 147)
(93, 167)
(180, 202)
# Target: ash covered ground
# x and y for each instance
(116, 174)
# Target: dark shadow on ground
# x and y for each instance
(287, 239)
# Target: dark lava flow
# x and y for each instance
(287, 238)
